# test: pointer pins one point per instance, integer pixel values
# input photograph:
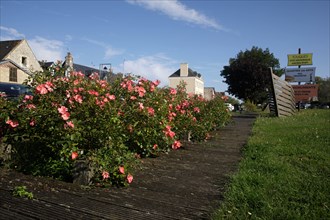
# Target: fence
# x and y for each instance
(281, 97)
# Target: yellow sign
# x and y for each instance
(300, 59)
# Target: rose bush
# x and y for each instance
(109, 126)
(143, 112)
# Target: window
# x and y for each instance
(24, 61)
(13, 74)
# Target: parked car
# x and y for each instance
(13, 90)
(230, 106)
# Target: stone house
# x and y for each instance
(209, 93)
(17, 61)
(193, 80)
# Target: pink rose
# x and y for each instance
(12, 123)
(62, 109)
(176, 145)
(129, 178)
(121, 170)
(74, 155)
(70, 124)
(105, 175)
(66, 116)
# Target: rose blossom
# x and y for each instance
(105, 175)
(41, 89)
(62, 109)
(78, 98)
(172, 91)
(66, 116)
(74, 155)
(70, 124)
(129, 178)
(12, 123)
(176, 145)
(121, 170)
(151, 111)
(32, 123)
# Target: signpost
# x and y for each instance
(305, 93)
(300, 74)
(300, 59)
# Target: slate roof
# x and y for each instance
(7, 46)
(89, 70)
(191, 73)
(45, 65)
(77, 67)
(84, 69)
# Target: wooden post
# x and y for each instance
(299, 52)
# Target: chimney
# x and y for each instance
(184, 69)
(69, 62)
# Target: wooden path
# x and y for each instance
(184, 184)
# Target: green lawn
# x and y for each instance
(285, 170)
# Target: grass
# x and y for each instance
(20, 191)
(285, 170)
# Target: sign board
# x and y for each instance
(300, 59)
(300, 74)
(305, 93)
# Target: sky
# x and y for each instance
(151, 38)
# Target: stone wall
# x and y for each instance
(21, 52)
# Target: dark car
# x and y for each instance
(13, 90)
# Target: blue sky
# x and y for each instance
(151, 38)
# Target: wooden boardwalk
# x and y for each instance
(185, 184)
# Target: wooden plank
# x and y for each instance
(283, 100)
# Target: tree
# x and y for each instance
(324, 89)
(247, 75)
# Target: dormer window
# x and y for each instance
(24, 61)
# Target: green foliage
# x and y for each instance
(285, 170)
(324, 89)
(248, 74)
(20, 191)
(108, 126)
(249, 106)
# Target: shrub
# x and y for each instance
(109, 126)
(249, 106)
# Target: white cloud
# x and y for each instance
(45, 49)
(68, 37)
(98, 43)
(178, 11)
(157, 67)
(10, 34)
(109, 50)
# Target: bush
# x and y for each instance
(249, 106)
(109, 126)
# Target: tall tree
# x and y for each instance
(247, 75)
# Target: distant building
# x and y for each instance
(17, 61)
(69, 65)
(209, 93)
(193, 80)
